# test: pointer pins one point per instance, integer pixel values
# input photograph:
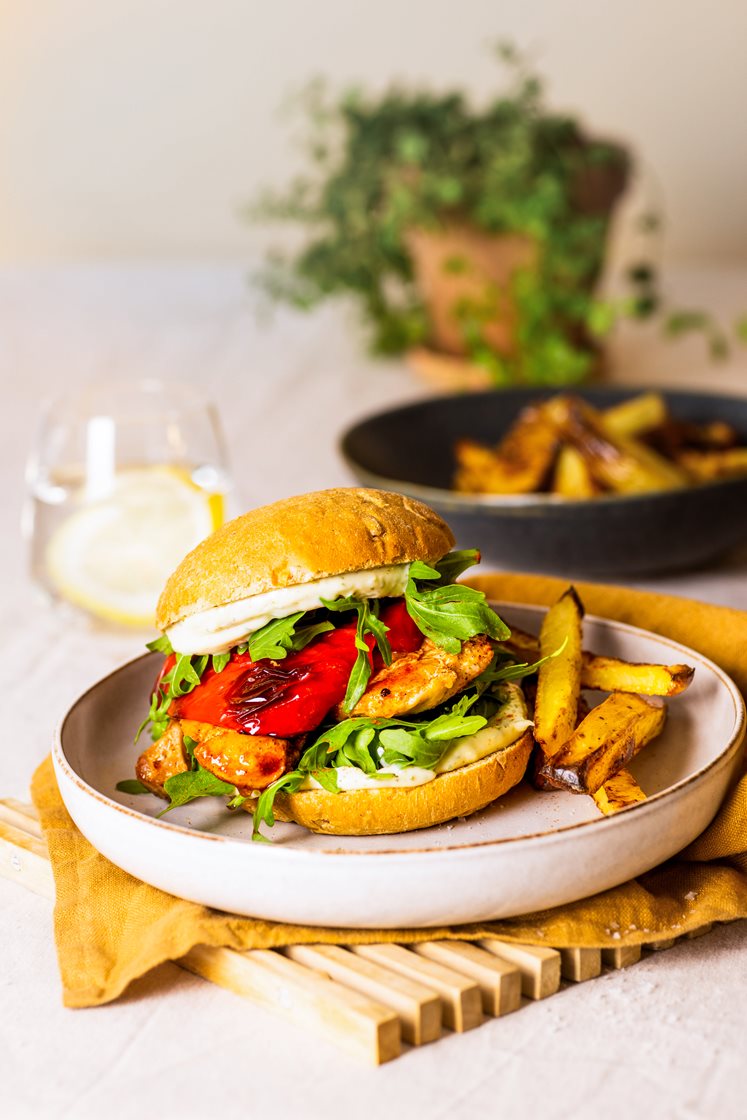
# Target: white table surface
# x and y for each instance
(664, 1038)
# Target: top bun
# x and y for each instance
(294, 541)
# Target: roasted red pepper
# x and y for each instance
(291, 696)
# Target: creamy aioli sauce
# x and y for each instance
(507, 725)
(219, 629)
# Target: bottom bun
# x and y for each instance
(370, 812)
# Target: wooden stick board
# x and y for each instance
(368, 999)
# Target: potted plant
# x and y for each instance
(476, 235)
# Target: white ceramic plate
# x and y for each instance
(527, 851)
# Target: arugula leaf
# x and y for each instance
(510, 669)
(306, 634)
(158, 713)
(186, 673)
(360, 674)
(191, 784)
(263, 812)
(220, 660)
(368, 623)
(327, 780)
(132, 785)
(369, 608)
(370, 745)
(356, 751)
(450, 613)
(418, 739)
(160, 645)
(180, 679)
(278, 637)
(451, 566)
(420, 570)
(274, 639)
(189, 749)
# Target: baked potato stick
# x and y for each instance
(635, 416)
(572, 478)
(611, 675)
(518, 465)
(477, 468)
(559, 678)
(619, 463)
(605, 742)
(619, 792)
(707, 466)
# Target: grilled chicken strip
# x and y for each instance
(161, 761)
(418, 681)
(249, 762)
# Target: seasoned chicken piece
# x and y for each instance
(162, 760)
(248, 762)
(418, 681)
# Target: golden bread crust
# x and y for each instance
(371, 812)
(325, 533)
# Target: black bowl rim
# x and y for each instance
(508, 503)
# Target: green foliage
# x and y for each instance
(414, 160)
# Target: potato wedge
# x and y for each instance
(619, 792)
(636, 415)
(559, 679)
(572, 478)
(537, 760)
(708, 466)
(605, 742)
(618, 463)
(477, 468)
(673, 436)
(609, 674)
(518, 465)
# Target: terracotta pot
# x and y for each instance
(460, 263)
(486, 264)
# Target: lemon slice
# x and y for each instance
(113, 556)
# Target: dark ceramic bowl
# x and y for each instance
(409, 449)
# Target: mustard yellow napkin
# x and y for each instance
(111, 928)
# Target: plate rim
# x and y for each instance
(737, 736)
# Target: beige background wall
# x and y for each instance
(136, 128)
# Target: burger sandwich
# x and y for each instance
(323, 666)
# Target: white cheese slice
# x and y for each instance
(219, 629)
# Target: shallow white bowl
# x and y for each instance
(526, 852)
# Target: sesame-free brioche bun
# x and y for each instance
(294, 541)
(369, 812)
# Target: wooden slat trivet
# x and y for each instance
(366, 1028)
(418, 1007)
(498, 981)
(460, 996)
(540, 967)
(365, 998)
(621, 957)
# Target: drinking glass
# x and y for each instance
(122, 481)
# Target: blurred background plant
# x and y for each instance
(478, 234)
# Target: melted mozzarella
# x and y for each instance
(219, 629)
(507, 725)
